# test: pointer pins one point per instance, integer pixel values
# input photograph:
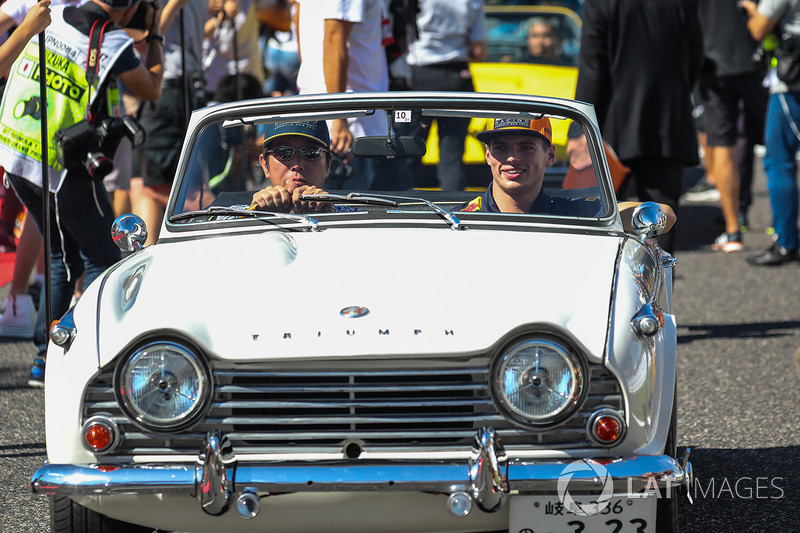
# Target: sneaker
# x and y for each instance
(702, 191)
(774, 255)
(36, 379)
(728, 242)
(19, 318)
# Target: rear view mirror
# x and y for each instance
(389, 147)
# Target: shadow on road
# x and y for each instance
(34, 449)
(786, 328)
(743, 490)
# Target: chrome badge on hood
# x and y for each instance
(354, 311)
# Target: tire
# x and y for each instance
(67, 516)
(667, 504)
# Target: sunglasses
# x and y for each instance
(286, 153)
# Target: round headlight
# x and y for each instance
(163, 385)
(538, 382)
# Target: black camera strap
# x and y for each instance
(93, 63)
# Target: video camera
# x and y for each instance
(82, 147)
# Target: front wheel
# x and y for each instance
(66, 516)
(667, 505)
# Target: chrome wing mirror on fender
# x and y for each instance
(129, 233)
(648, 221)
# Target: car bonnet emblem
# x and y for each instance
(354, 311)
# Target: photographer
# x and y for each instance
(86, 51)
(781, 136)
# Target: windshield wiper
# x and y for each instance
(353, 197)
(214, 211)
(388, 199)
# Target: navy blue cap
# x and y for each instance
(316, 130)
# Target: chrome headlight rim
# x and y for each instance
(575, 360)
(188, 418)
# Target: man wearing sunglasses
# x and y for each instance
(296, 160)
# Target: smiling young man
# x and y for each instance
(296, 160)
(518, 151)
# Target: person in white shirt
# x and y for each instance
(342, 50)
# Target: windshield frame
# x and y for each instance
(338, 104)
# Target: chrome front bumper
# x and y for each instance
(485, 479)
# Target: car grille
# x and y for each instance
(423, 406)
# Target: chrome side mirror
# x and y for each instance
(129, 233)
(649, 220)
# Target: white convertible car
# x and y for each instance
(383, 359)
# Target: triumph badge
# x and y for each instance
(354, 311)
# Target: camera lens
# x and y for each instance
(98, 165)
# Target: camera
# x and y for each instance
(82, 148)
(139, 19)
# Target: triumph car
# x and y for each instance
(377, 357)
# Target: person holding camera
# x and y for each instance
(781, 134)
(87, 52)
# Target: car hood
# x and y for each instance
(361, 291)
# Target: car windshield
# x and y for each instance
(547, 36)
(405, 163)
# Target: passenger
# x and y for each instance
(296, 160)
(519, 151)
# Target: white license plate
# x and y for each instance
(538, 514)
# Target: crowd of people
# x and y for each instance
(134, 67)
(159, 62)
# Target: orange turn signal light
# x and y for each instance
(607, 429)
(100, 434)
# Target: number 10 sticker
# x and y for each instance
(402, 115)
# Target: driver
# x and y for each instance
(518, 151)
(296, 161)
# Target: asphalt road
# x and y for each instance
(739, 389)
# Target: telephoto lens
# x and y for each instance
(98, 165)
